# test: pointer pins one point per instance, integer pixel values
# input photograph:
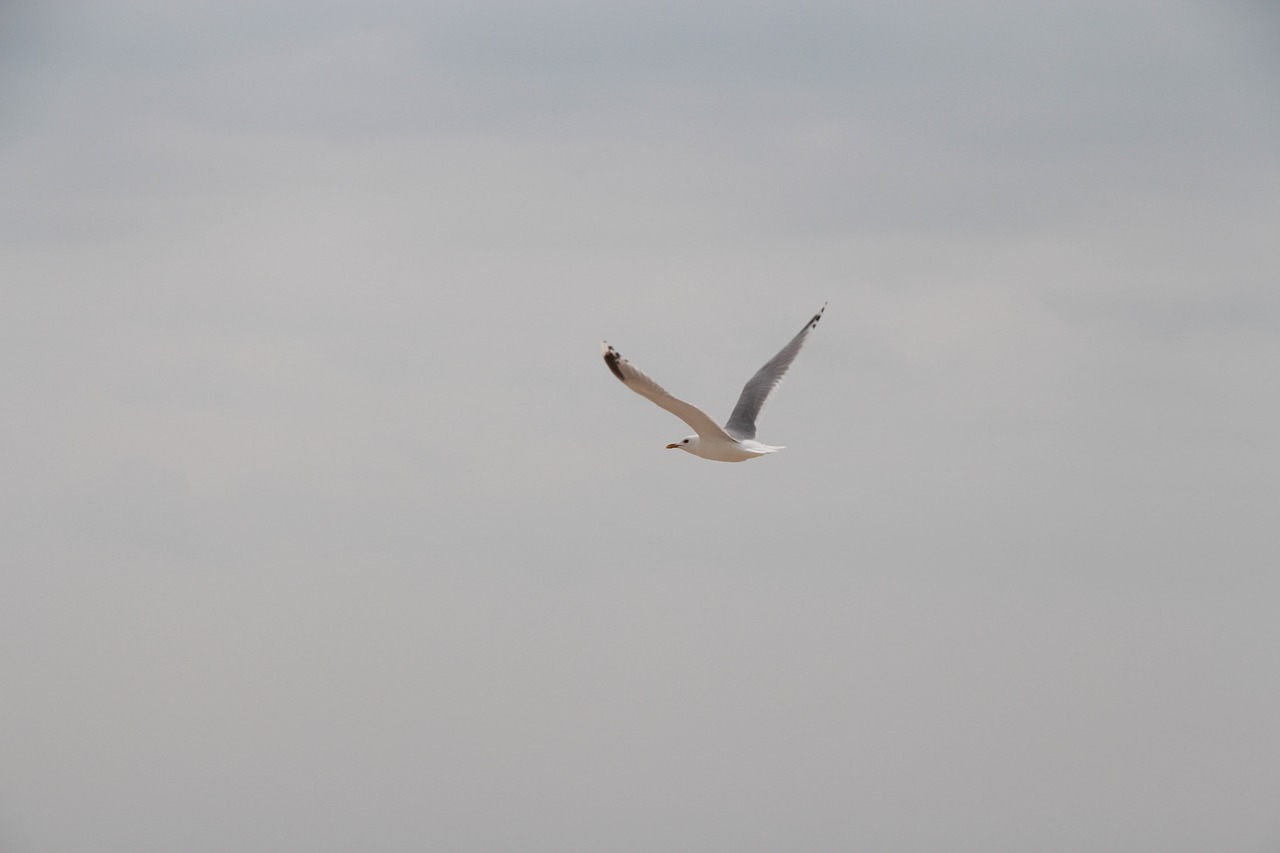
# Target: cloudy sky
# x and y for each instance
(325, 528)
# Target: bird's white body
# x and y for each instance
(719, 450)
(735, 441)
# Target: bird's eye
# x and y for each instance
(686, 441)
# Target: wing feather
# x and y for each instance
(634, 379)
(742, 422)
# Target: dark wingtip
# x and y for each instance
(612, 358)
(813, 324)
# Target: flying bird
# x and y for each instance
(735, 441)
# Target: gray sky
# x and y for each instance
(325, 528)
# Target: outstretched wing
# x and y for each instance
(646, 387)
(742, 423)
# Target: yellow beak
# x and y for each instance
(672, 446)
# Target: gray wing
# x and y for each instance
(742, 423)
(646, 387)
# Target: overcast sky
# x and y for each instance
(325, 528)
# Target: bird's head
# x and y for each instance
(687, 444)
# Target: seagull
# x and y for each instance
(735, 441)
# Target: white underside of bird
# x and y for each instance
(735, 441)
(719, 449)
